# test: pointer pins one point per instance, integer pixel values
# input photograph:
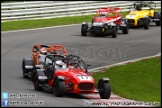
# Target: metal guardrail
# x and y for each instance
(54, 9)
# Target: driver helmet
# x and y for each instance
(60, 64)
(138, 6)
(103, 14)
(43, 51)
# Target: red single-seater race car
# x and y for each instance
(107, 21)
(68, 75)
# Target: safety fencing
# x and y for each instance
(55, 9)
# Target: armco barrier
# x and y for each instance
(52, 9)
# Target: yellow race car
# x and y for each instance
(142, 13)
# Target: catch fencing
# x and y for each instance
(54, 9)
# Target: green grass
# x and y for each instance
(138, 81)
(28, 24)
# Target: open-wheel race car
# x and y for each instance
(68, 75)
(107, 21)
(39, 52)
(142, 13)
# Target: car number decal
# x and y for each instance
(130, 16)
(84, 77)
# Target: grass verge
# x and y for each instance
(139, 81)
(29, 24)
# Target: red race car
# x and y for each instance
(39, 52)
(107, 21)
(68, 75)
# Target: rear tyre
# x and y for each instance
(24, 70)
(104, 89)
(59, 88)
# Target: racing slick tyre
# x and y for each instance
(104, 89)
(158, 16)
(23, 69)
(32, 75)
(114, 33)
(59, 88)
(84, 30)
(36, 83)
(146, 24)
(33, 72)
(125, 30)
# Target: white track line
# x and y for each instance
(38, 28)
(121, 63)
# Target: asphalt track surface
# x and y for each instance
(97, 51)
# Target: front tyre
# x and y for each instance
(157, 15)
(158, 23)
(125, 29)
(59, 88)
(104, 89)
(114, 32)
(84, 29)
(36, 83)
(146, 24)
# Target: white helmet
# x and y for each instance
(60, 64)
(43, 51)
(103, 14)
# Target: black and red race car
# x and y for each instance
(39, 52)
(107, 21)
(68, 75)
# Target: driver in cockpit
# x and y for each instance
(60, 64)
(42, 55)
